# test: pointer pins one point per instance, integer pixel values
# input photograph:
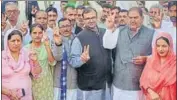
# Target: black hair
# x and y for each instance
(115, 7)
(36, 25)
(172, 3)
(63, 19)
(123, 10)
(163, 38)
(137, 9)
(106, 6)
(80, 7)
(38, 12)
(88, 10)
(64, 1)
(50, 8)
(15, 32)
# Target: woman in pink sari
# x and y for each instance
(158, 80)
(17, 65)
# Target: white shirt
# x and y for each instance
(110, 39)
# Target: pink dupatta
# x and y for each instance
(157, 76)
(7, 59)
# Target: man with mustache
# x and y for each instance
(63, 37)
(79, 20)
(156, 20)
(172, 12)
(173, 17)
(123, 17)
(132, 47)
(79, 26)
(160, 25)
(105, 12)
(164, 5)
(71, 14)
(12, 19)
(156, 17)
(52, 17)
(12, 13)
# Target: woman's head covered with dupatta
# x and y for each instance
(13, 41)
(163, 46)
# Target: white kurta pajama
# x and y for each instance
(125, 73)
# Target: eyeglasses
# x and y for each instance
(11, 11)
(165, 6)
(91, 18)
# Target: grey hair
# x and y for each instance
(139, 10)
(156, 6)
(11, 3)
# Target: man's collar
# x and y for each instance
(133, 33)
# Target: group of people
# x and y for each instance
(121, 55)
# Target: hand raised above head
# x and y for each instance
(110, 22)
(34, 10)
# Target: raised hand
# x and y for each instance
(45, 39)
(33, 55)
(110, 22)
(3, 23)
(85, 55)
(35, 66)
(24, 27)
(34, 10)
(56, 36)
(157, 20)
